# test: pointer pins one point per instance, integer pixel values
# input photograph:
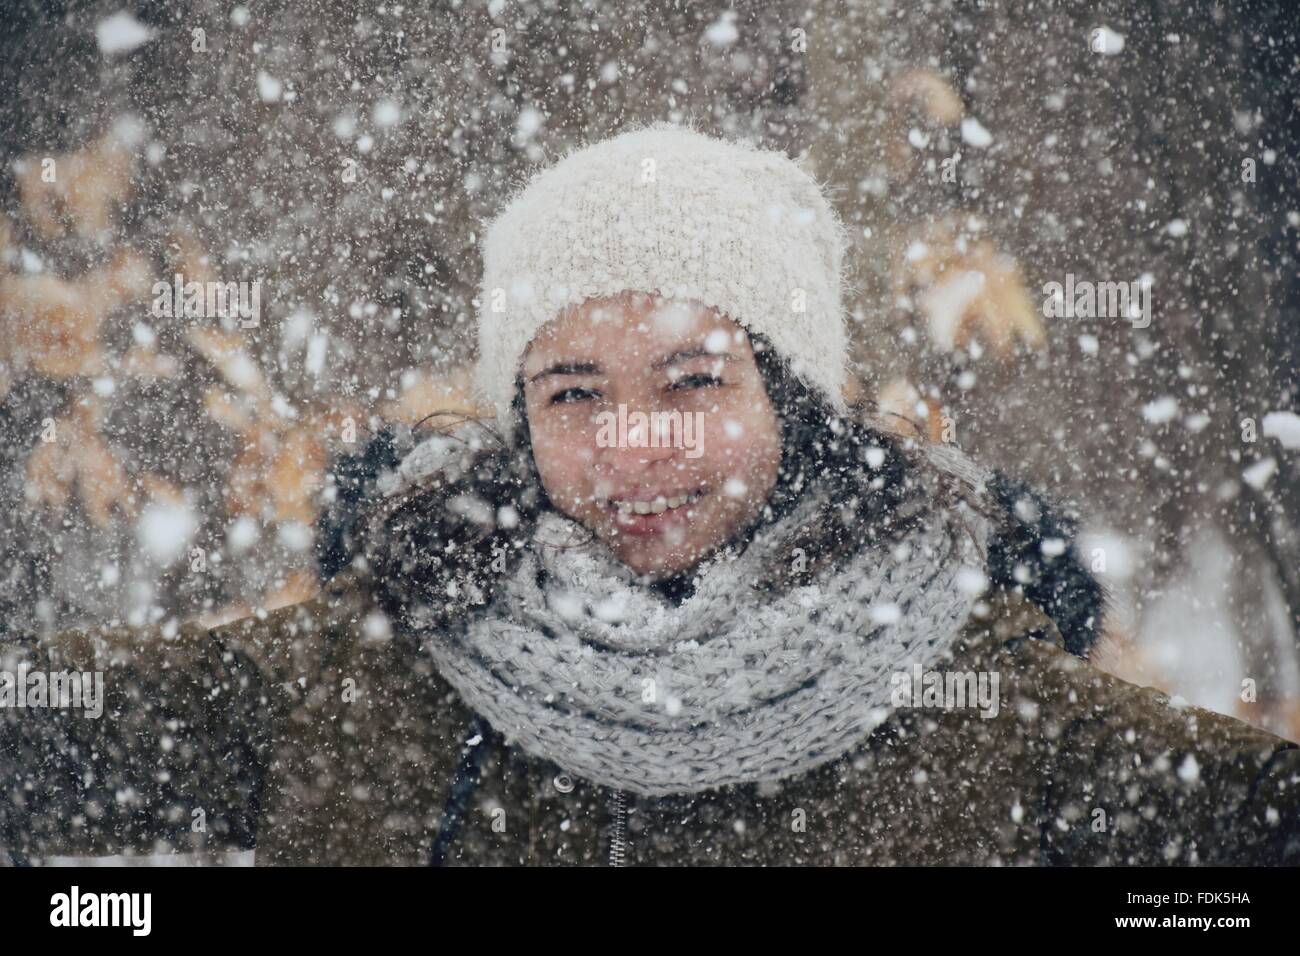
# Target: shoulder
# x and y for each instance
(1132, 775)
(1110, 714)
(339, 634)
(1027, 752)
(364, 722)
(300, 637)
(1159, 781)
(1022, 643)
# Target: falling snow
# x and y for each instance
(1072, 253)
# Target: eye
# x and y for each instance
(575, 394)
(698, 380)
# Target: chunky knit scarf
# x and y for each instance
(575, 662)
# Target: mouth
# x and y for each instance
(651, 514)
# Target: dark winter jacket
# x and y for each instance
(319, 738)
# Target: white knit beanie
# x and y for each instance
(671, 211)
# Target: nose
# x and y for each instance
(631, 443)
(627, 458)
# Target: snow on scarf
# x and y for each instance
(576, 663)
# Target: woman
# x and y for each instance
(677, 604)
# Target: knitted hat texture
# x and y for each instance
(674, 212)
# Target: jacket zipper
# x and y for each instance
(618, 830)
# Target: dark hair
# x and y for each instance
(441, 545)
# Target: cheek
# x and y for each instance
(562, 454)
(745, 445)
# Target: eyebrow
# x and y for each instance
(568, 368)
(684, 355)
(592, 368)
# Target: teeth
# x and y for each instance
(656, 507)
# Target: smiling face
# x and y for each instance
(689, 458)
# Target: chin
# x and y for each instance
(647, 549)
(656, 569)
(657, 563)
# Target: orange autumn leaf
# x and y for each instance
(227, 354)
(227, 410)
(966, 289)
(78, 459)
(901, 407)
(53, 325)
(143, 362)
(296, 586)
(930, 93)
(296, 475)
(78, 190)
(277, 473)
(245, 486)
(427, 395)
(189, 257)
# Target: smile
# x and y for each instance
(654, 506)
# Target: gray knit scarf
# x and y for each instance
(575, 662)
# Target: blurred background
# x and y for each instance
(345, 156)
